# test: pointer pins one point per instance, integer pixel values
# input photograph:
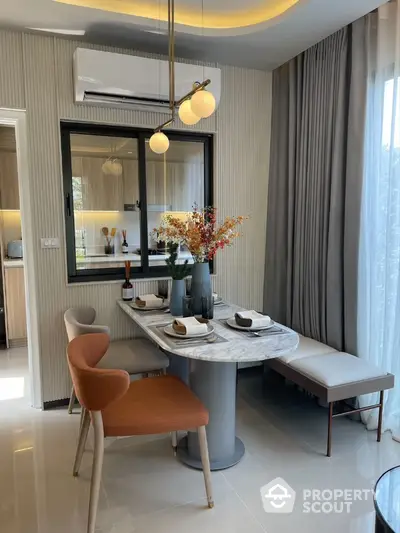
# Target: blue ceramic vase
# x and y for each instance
(178, 291)
(201, 285)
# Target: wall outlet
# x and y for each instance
(50, 242)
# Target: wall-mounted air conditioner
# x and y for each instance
(123, 80)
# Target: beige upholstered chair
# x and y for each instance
(137, 356)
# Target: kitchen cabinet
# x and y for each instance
(131, 181)
(179, 185)
(175, 184)
(157, 183)
(14, 287)
(93, 189)
(9, 191)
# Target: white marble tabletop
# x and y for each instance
(238, 347)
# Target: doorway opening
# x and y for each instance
(19, 353)
(13, 328)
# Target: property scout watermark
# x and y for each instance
(279, 497)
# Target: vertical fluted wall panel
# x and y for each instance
(46, 198)
(12, 93)
(241, 163)
(242, 126)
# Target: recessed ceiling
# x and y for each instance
(263, 35)
(219, 15)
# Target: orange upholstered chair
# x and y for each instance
(120, 408)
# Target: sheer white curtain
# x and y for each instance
(379, 265)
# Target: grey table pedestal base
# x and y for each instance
(215, 385)
(216, 464)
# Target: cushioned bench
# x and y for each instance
(333, 376)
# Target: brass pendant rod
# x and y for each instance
(172, 103)
(171, 64)
(171, 54)
(169, 50)
(164, 125)
(198, 87)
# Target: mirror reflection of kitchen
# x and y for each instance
(13, 329)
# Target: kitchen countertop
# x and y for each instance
(13, 263)
(120, 258)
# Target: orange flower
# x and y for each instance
(199, 232)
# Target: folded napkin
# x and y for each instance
(189, 326)
(252, 319)
(149, 300)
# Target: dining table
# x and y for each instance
(213, 362)
(386, 502)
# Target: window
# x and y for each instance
(390, 126)
(114, 184)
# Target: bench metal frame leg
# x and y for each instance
(331, 416)
(329, 443)
(381, 399)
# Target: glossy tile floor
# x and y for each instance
(146, 490)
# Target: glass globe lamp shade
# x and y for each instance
(159, 142)
(186, 114)
(112, 167)
(203, 103)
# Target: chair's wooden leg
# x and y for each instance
(82, 418)
(145, 375)
(330, 418)
(71, 401)
(96, 470)
(205, 461)
(83, 433)
(381, 399)
(174, 441)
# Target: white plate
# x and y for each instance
(169, 330)
(232, 323)
(138, 308)
(218, 301)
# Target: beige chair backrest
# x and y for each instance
(79, 321)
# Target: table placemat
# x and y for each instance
(150, 311)
(275, 330)
(173, 342)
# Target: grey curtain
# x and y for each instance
(316, 169)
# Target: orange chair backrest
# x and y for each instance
(95, 388)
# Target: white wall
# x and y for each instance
(36, 75)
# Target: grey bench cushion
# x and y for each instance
(334, 369)
(333, 376)
(307, 347)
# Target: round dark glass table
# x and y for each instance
(387, 502)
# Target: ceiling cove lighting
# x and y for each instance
(249, 15)
(78, 33)
(196, 104)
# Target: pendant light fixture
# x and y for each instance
(196, 104)
(159, 142)
(202, 104)
(186, 114)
